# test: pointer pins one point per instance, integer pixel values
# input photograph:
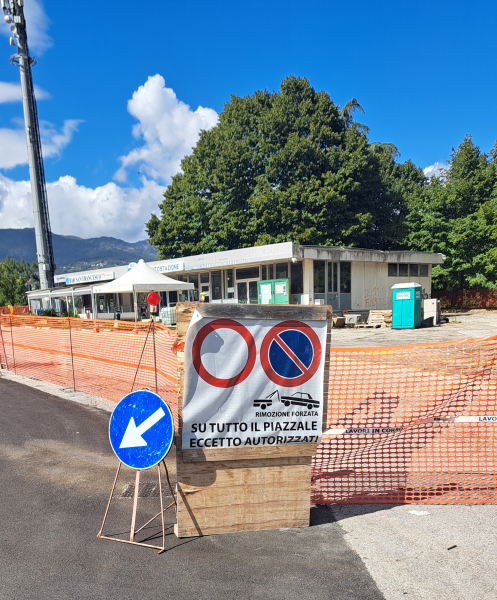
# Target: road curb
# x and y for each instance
(61, 392)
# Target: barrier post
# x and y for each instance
(72, 356)
(3, 346)
(12, 342)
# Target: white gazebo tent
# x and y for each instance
(141, 278)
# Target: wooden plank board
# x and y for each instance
(216, 454)
(262, 311)
(249, 476)
(189, 469)
(228, 497)
(189, 529)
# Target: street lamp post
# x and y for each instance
(14, 15)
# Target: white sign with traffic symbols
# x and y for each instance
(253, 383)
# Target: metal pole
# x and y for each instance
(141, 356)
(14, 12)
(110, 499)
(72, 356)
(3, 346)
(135, 504)
(12, 342)
(155, 360)
(161, 510)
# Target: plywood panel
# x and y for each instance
(249, 476)
(214, 454)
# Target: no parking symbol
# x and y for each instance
(291, 353)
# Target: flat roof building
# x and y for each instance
(355, 279)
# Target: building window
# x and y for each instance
(403, 270)
(423, 270)
(345, 277)
(282, 271)
(204, 277)
(217, 293)
(319, 281)
(297, 279)
(229, 284)
(393, 270)
(247, 273)
(413, 270)
(193, 278)
(332, 277)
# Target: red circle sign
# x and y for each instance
(153, 298)
(290, 353)
(197, 347)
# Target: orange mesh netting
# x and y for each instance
(405, 425)
(104, 358)
(14, 310)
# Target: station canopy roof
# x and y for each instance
(142, 278)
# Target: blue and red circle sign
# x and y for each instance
(290, 353)
(197, 353)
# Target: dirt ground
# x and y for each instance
(461, 326)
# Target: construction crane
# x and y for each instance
(14, 15)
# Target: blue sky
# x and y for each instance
(120, 84)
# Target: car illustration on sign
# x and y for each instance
(267, 401)
(300, 399)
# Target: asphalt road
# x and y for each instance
(57, 469)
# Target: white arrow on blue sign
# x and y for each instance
(141, 430)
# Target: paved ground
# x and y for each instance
(461, 326)
(57, 469)
(425, 552)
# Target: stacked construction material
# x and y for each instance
(383, 317)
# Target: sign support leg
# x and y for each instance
(110, 499)
(135, 504)
(134, 531)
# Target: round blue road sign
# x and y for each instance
(141, 430)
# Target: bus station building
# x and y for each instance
(354, 279)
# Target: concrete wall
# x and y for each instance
(371, 286)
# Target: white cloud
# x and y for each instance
(37, 24)
(13, 142)
(168, 127)
(169, 130)
(435, 170)
(108, 210)
(11, 92)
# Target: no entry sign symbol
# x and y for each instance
(197, 353)
(290, 353)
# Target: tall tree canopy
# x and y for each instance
(456, 214)
(284, 166)
(14, 277)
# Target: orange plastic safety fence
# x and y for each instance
(412, 424)
(14, 310)
(108, 359)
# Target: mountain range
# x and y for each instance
(72, 253)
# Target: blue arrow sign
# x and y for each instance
(141, 430)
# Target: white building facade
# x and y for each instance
(345, 278)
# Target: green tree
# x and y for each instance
(281, 166)
(14, 277)
(456, 214)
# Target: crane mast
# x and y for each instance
(14, 15)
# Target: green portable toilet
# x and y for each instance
(406, 305)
